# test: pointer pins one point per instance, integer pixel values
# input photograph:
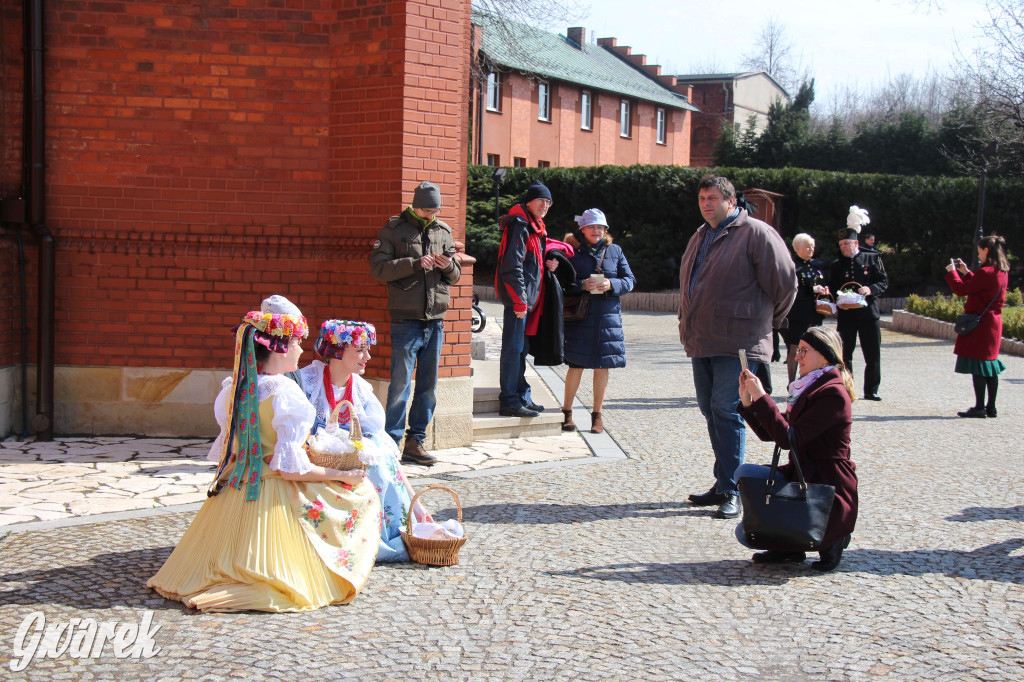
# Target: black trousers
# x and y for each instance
(851, 324)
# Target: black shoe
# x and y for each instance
(535, 407)
(413, 453)
(773, 556)
(708, 499)
(520, 411)
(831, 556)
(730, 509)
(975, 413)
(873, 396)
(991, 412)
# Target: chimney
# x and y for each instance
(577, 34)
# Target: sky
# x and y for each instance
(858, 43)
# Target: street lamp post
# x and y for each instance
(979, 233)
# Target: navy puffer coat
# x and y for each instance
(597, 342)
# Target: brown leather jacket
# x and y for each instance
(743, 290)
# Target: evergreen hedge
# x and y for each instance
(921, 222)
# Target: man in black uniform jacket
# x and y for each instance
(865, 269)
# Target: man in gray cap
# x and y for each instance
(413, 254)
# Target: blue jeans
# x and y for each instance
(754, 471)
(515, 392)
(717, 382)
(413, 342)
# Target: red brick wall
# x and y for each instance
(515, 131)
(204, 155)
(715, 105)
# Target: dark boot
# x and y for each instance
(708, 499)
(831, 555)
(413, 453)
(567, 422)
(596, 423)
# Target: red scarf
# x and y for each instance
(329, 392)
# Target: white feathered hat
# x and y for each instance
(857, 218)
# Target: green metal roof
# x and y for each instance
(554, 56)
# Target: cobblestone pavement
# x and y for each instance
(603, 572)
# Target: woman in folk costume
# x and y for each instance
(345, 345)
(276, 533)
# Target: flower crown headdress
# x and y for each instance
(335, 335)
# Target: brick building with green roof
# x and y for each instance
(543, 99)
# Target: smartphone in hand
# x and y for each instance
(743, 359)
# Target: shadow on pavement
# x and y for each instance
(901, 417)
(569, 513)
(990, 514)
(991, 562)
(725, 573)
(108, 580)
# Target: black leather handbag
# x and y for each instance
(967, 322)
(785, 516)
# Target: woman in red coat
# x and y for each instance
(819, 411)
(977, 352)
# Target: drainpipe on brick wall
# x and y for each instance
(34, 154)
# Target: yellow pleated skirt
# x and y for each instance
(299, 546)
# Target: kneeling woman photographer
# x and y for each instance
(818, 409)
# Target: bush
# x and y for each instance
(947, 308)
(920, 221)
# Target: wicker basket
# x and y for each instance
(333, 460)
(823, 306)
(848, 306)
(434, 552)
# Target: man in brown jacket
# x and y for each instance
(413, 254)
(736, 283)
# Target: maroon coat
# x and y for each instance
(821, 419)
(979, 288)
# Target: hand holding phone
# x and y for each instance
(743, 360)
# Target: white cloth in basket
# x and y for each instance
(851, 298)
(448, 530)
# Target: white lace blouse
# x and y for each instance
(368, 410)
(293, 418)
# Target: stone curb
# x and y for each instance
(912, 323)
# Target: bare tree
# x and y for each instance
(995, 74)
(775, 52)
(511, 23)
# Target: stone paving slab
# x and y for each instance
(603, 572)
(75, 477)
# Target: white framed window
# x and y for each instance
(493, 159)
(586, 110)
(624, 118)
(543, 164)
(543, 101)
(493, 91)
(518, 162)
(661, 126)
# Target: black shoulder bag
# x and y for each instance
(785, 516)
(967, 322)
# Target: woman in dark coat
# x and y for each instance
(810, 280)
(977, 352)
(819, 411)
(595, 342)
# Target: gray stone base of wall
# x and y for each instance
(911, 323)
(178, 403)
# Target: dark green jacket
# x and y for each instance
(414, 293)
